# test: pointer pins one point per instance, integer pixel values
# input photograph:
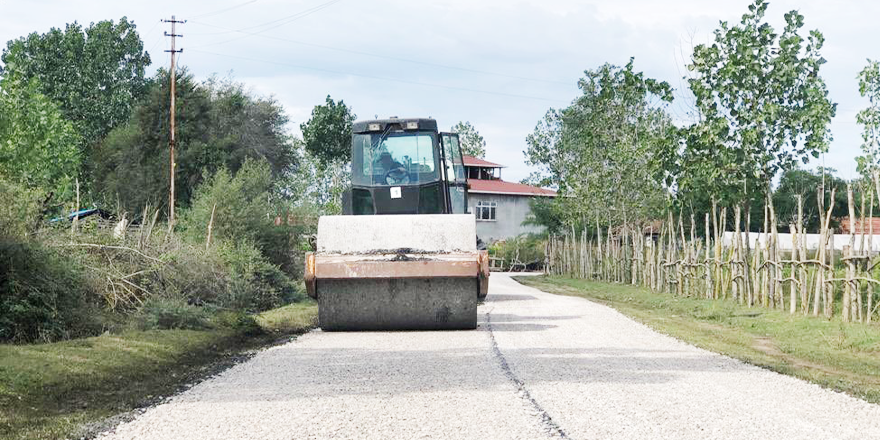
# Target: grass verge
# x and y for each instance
(50, 391)
(836, 355)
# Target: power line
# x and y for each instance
(211, 14)
(381, 78)
(405, 60)
(280, 22)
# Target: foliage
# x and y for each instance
(219, 125)
(38, 147)
(546, 212)
(472, 143)
(764, 107)
(526, 249)
(807, 184)
(172, 313)
(241, 209)
(600, 150)
(316, 189)
(44, 296)
(95, 74)
(327, 134)
(869, 118)
(20, 210)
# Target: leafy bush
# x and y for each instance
(525, 249)
(255, 283)
(44, 296)
(168, 313)
(19, 210)
(241, 207)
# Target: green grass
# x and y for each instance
(53, 390)
(833, 354)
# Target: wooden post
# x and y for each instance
(870, 253)
(737, 267)
(210, 228)
(792, 306)
(848, 258)
(708, 262)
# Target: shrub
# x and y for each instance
(19, 210)
(525, 249)
(44, 296)
(241, 208)
(170, 313)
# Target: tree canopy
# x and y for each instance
(96, 74)
(600, 150)
(763, 104)
(38, 147)
(219, 125)
(472, 143)
(327, 134)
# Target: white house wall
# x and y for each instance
(510, 212)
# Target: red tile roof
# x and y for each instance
(502, 187)
(470, 161)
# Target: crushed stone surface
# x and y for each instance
(539, 366)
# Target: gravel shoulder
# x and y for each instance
(540, 366)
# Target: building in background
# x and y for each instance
(500, 207)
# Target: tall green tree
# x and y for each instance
(763, 104)
(869, 119)
(38, 147)
(327, 134)
(600, 151)
(96, 74)
(472, 143)
(219, 125)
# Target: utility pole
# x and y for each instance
(173, 51)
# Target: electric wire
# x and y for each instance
(274, 24)
(387, 57)
(380, 78)
(220, 11)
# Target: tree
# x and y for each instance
(764, 106)
(219, 125)
(38, 147)
(869, 118)
(804, 183)
(472, 143)
(600, 150)
(327, 134)
(95, 74)
(314, 187)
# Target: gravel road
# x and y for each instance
(540, 366)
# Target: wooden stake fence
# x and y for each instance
(676, 260)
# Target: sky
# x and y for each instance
(500, 65)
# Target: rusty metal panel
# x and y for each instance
(346, 269)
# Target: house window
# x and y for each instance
(485, 211)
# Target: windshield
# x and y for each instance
(391, 159)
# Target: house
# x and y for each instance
(500, 207)
(870, 225)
